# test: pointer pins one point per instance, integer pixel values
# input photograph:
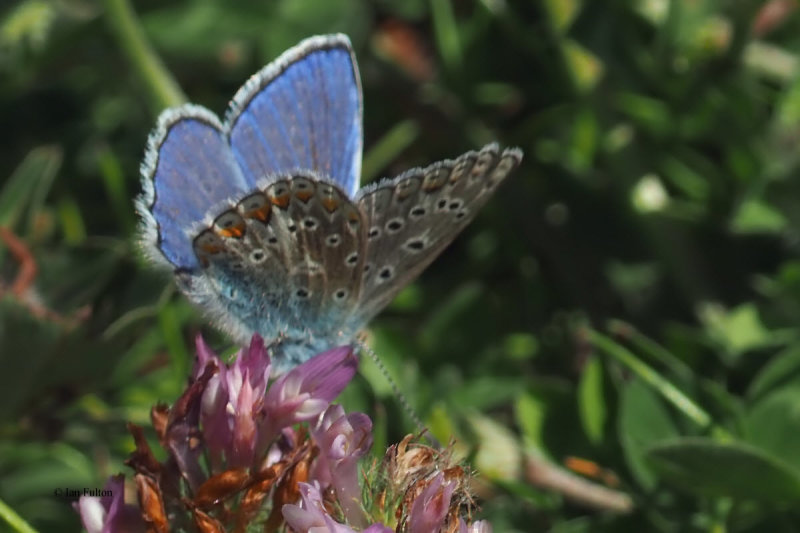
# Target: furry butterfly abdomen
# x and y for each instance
(261, 219)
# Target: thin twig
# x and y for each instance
(543, 474)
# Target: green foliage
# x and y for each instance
(630, 297)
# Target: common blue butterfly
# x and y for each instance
(261, 219)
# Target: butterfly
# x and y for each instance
(261, 218)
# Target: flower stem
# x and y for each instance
(14, 520)
(164, 90)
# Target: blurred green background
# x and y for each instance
(631, 297)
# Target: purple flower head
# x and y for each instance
(430, 508)
(343, 440)
(481, 526)
(310, 515)
(232, 402)
(305, 391)
(241, 416)
(110, 514)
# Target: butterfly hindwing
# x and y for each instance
(410, 219)
(284, 262)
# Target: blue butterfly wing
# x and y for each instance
(301, 112)
(188, 169)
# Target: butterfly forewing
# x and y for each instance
(302, 112)
(410, 219)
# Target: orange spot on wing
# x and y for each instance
(262, 213)
(304, 195)
(330, 204)
(212, 248)
(281, 201)
(232, 231)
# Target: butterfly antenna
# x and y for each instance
(423, 430)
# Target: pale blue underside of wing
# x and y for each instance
(308, 117)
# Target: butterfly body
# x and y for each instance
(261, 218)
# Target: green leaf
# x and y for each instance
(591, 400)
(686, 179)
(499, 455)
(486, 392)
(520, 346)
(530, 412)
(562, 13)
(447, 34)
(388, 147)
(29, 184)
(738, 330)
(756, 216)
(708, 468)
(774, 425)
(648, 113)
(450, 312)
(585, 67)
(644, 420)
(783, 368)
